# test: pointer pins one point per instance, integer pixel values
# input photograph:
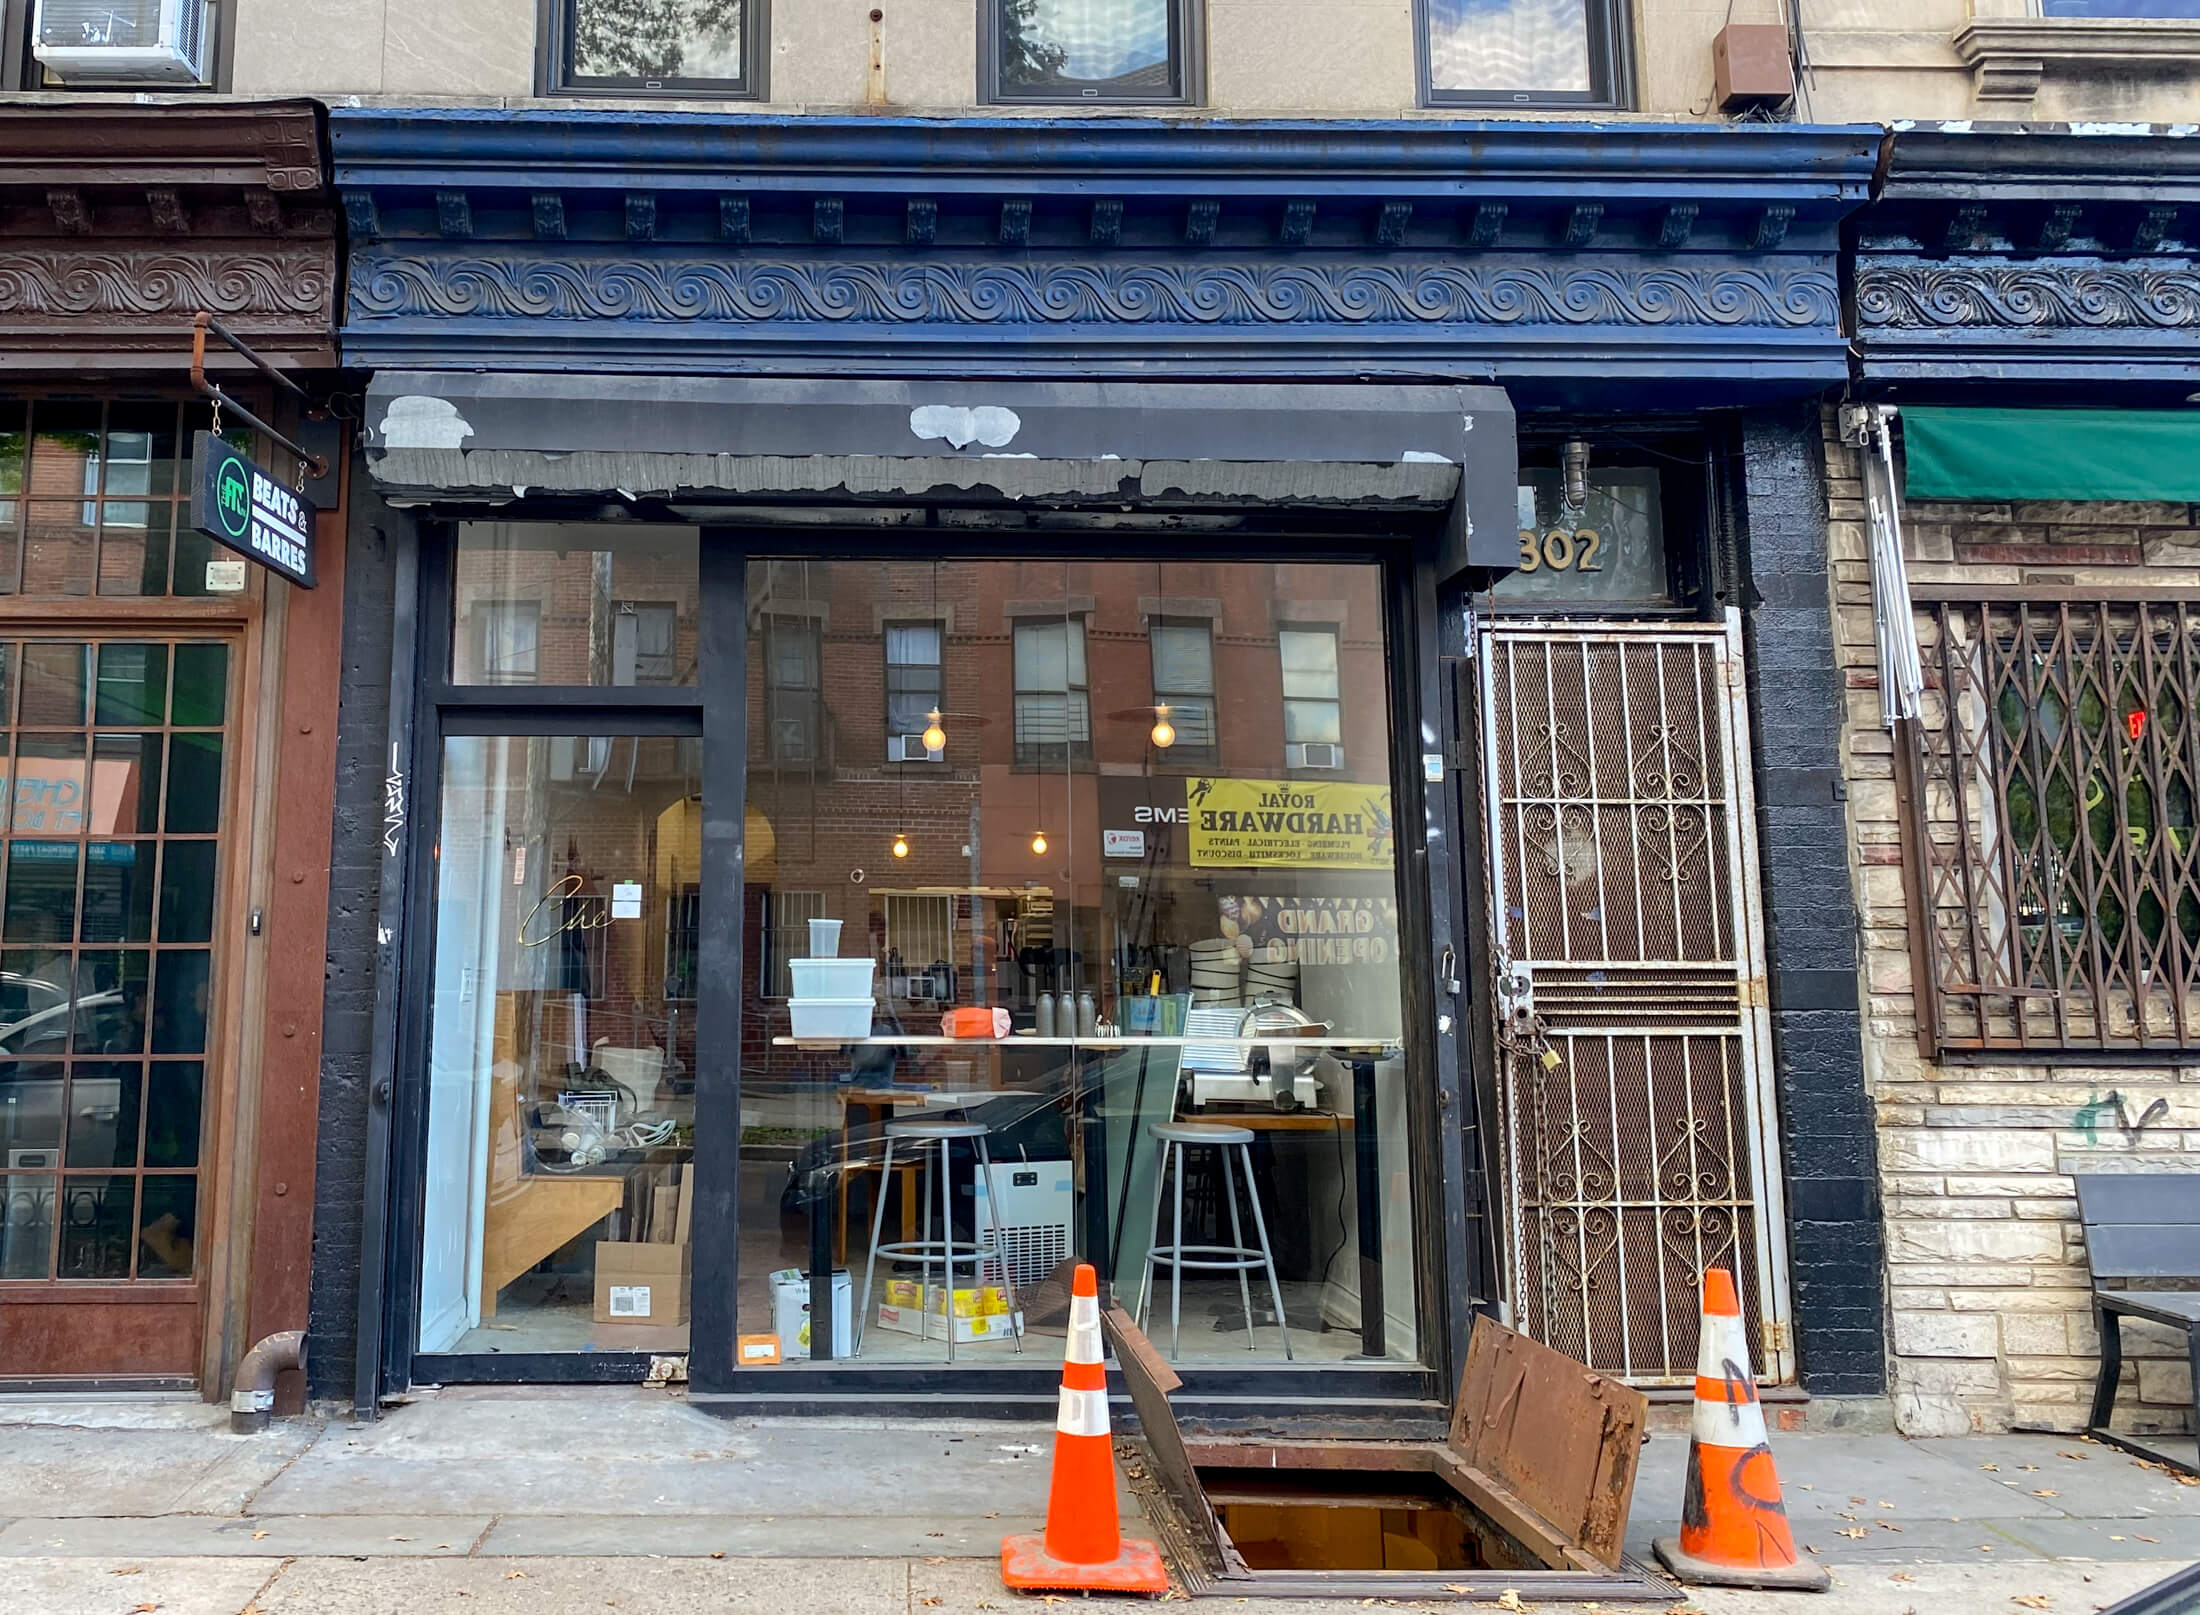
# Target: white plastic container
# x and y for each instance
(844, 1018)
(824, 939)
(790, 1291)
(831, 978)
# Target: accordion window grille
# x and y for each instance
(2052, 774)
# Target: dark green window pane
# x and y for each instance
(187, 891)
(103, 1112)
(193, 549)
(133, 558)
(30, 1110)
(118, 891)
(168, 1227)
(56, 679)
(96, 1220)
(141, 450)
(12, 444)
(110, 1002)
(50, 795)
(179, 1004)
(194, 782)
(133, 684)
(172, 1113)
(7, 664)
(125, 784)
(202, 685)
(41, 903)
(26, 1226)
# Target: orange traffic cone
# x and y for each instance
(1734, 1525)
(1082, 1548)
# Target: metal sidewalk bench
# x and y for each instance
(2140, 1226)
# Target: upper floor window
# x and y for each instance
(2187, 10)
(1053, 695)
(641, 47)
(1523, 52)
(1086, 50)
(794, 691)
(915, 688)
(1313, 698)
(1184, 687)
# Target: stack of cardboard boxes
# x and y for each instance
(642, 1284)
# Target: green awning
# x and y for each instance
(2051, 454)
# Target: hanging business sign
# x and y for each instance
(240, 503)
(1240, 823)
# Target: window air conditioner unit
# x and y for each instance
(122, 41)
(910, 749)
(1313, 754)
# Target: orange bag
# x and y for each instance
(975, 1023)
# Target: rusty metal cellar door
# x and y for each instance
(1638, 1134)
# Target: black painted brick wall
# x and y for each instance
(362, 739)
(1835, 1239)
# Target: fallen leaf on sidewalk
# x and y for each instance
(145, 1608)
(2032, 1600)
(2081, 1457)
(930, 1601)
(1889, 1525)
(128, 1570)
(937, 1559)
(718, 1553)
(515, 1575)
(1902, 1575)
(259, 1536)
(1990, 1466)
(2046, 1492)
(2029, 1469)
(400, 1539)
(1854, 1531)
(1856, 1499)
(1510, 1599)
(1883, 1503)
(2146, 1538)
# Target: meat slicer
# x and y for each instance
(1230, 1070)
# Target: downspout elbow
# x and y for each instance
(252, 1402)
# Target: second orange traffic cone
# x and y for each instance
(1082, 1548)
(1734, 1524)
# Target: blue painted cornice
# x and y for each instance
(616, 240)
(2032, 256)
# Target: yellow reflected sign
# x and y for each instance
(1275, 823)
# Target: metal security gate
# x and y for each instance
(1639, 1145)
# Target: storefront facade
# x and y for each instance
(1071, 548)
(161, 1066)
(2029, 336)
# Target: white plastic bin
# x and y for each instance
(824, 938)
(848, 1018)
(831, 978)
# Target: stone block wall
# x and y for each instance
(1990, 1323)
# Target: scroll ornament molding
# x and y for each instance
(2161, 295)
(253, 281)
(747, 290)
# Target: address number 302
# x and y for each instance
(1562, 549)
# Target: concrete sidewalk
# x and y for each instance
(628, 1499)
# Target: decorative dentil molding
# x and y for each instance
(292, 281)
(708, 291)
(2138, 296)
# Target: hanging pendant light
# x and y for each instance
(935, 738)
(1164, 732)
(901, 846)
(1038, 843)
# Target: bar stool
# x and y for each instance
(1176, 1138)
(946, 1250)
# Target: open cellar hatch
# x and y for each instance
(1529, 1489)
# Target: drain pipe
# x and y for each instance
(252, 1403)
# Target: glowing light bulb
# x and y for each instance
(935, 738)
(901, 846)
(1039, 842)
(1164, 732)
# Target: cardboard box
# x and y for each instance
(979, 1314)
(641, 1283)
(647, 1338)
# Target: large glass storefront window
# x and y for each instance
(1110, 852)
